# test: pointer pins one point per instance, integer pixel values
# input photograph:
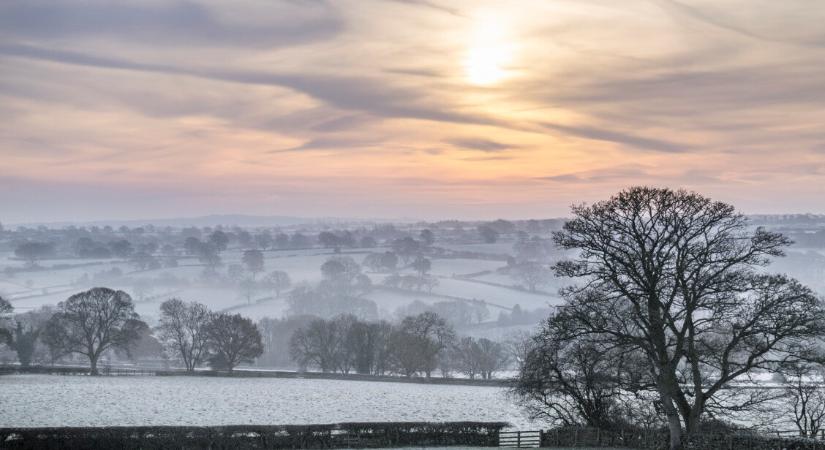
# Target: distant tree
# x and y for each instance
(91, 322)
(276, 334)
(233, 340)
(146, 346)
(248, 287)
(531, 275)
(422, 265)
(299, 240)
(328, 239)
(5, 315)
(406, 248)
(533, 248)
(208, 255)
(121, 248)
(34, 251)
(367, 242)
(86, 247)
(389, 261)
(317, 344)
(502, 226)
(804, 398)
(27, 332)
(488, 234)
(192, 245)
(326, 302)
(235, 272)
(426, 335)
(244, 238)
(282, 240)
(143, 260)
(427, 237)
(182, 330)
(254, 261)
(264, 240)
(278, 280)
(381, 262)
(219, 240)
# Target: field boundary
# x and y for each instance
(243, 373)
(340, 435)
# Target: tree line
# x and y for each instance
(94, 322)
(416, 346)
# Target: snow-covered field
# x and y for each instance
(50, 400)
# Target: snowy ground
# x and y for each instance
(50, 400)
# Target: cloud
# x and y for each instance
(483, 145)
(333, 143)
(625, 172)
(167, 23)
(630, 140)
(367, 94)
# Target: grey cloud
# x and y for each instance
(333, 143)
(618, 173)
(484, 145)
(717, 20)
(168, 24)
(366, 94)
(599, 134)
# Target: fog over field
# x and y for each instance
(412, 223)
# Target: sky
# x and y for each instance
(419, 109)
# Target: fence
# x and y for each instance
(653, 439)
(343, 435)
(519, 439)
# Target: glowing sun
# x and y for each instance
(488, 52)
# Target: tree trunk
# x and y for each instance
(93, 363)
(674, 424)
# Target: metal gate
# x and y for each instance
(519, 439)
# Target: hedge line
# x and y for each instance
(341, 435)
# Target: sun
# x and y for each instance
(485, 65)
(488, 52)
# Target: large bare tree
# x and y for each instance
(182, 329)
(679, 277)
(92, 322)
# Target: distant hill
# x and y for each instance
(240, 220)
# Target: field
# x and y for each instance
(60, 278)
(50, 400)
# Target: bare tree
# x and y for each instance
(421, 339)
(805, 396)
(92, 322)
(532, 275)
(674, 275)
(278, 280)
(254, 261)
(233, 340)
(182, 329)
(317, 344)
(5, 314)
(570, 380)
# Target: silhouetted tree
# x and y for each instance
(182, 330)
(92, 322)
(233, 340)
(674, 276)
